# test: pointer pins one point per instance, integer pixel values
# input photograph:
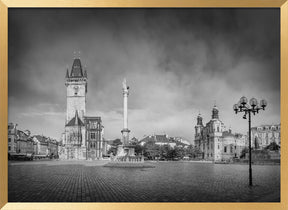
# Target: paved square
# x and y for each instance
(57, 181)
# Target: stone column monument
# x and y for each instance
(125, 131)
(125, 150)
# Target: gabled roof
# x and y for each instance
(22, 135)
(156, 138)
(41, 138)
(161, 138)
(75, 121)
(76, 68)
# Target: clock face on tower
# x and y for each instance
(76, 88)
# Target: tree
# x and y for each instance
(112, 150)
(116, 142)
(243, 152)
(139, 149)
(273, 146)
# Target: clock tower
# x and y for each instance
(83, 136)
(76, 84)
(75, 131)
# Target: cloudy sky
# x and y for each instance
(177, 62)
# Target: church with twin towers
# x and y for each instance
(83, 135)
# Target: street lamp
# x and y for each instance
(243, 106)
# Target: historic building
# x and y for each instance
(96, 146)
(45, 146)
(262, 136)
(22, 145)
(12, 137)
(83, 136)
(215, 142)
(164, 139)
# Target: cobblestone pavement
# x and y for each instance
(56, 181)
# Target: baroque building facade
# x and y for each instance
(80, 140)
(214, 142)
(263, 136)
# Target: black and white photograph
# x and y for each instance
(144, 105)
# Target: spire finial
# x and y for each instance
(76, 117)
(214, 102)
(85, 72)
(67, 73)
(74, 54)
(79, 54)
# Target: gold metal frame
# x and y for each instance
(5, 4)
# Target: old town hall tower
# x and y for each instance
(83, 136)
(76, 85)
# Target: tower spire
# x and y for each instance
(85, 71)
(76, 70)
(199, 119)
(67, 73)
(215, 112)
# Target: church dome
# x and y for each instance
(199, 120)
(215, 112)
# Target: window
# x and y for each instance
(93, 135)
(93, 125)
(218, 146)
(225, 149)
(9, 139)
(9, 148)
(217, 129)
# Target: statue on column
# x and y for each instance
(125, 87)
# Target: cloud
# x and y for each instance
(176, 61)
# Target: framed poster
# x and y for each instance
(177, 70)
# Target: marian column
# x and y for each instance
(125, 131)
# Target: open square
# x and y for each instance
(71, 181)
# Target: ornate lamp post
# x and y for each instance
(254, 108)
